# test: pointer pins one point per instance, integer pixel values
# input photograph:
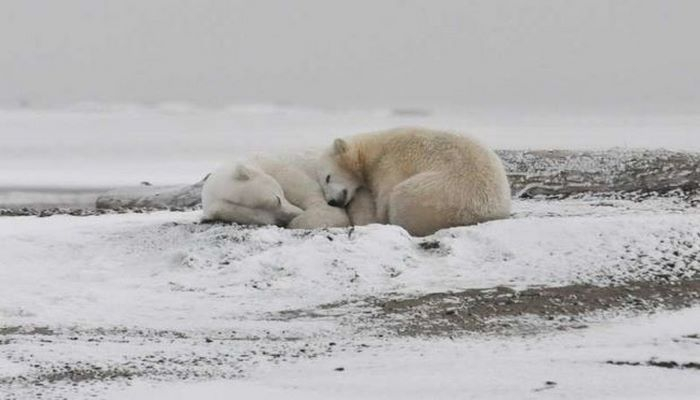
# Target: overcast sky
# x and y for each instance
(377, 53)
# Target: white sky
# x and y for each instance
(519, 53)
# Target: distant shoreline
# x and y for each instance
(43, 197)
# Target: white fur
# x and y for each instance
(290, 176)
(247, 195)
(421, 179)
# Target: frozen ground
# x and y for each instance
(614, 360)
(94, 304)
(579, 298)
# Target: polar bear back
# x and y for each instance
(425, 180)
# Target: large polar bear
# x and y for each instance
(421, 179)
(277, 190)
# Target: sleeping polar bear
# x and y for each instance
(278, 190)
(420, 179)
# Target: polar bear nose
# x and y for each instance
(339, 201)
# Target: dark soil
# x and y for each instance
(503, 310)
(657, 363)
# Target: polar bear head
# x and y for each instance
(337, 174)
(246, 195)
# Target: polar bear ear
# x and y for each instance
(242, 173)
(340, 146)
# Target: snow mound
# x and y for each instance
(340, 265)
(165, 269)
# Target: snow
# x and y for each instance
(178, 309)
(574, 362)
(122, 288)
(101, 145)
(154, 270)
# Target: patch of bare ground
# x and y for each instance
(657, 363)
(502, 310)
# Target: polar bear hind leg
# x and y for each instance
(414, 205)
(430, 201)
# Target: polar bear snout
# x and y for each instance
(340, 199)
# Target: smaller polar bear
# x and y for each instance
(277, 190)
(246, 195)
(420, 179)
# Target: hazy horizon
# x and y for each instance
(552, 55)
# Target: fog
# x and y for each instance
(584, 54)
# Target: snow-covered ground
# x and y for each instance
(158, 270)
(152, 297)
(157, 305)
(571, 365)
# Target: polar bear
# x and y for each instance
(420, 179)
(245, 194)
(277, 190)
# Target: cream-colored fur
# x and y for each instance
(246, 192)
(421, 179)
(294, 174)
